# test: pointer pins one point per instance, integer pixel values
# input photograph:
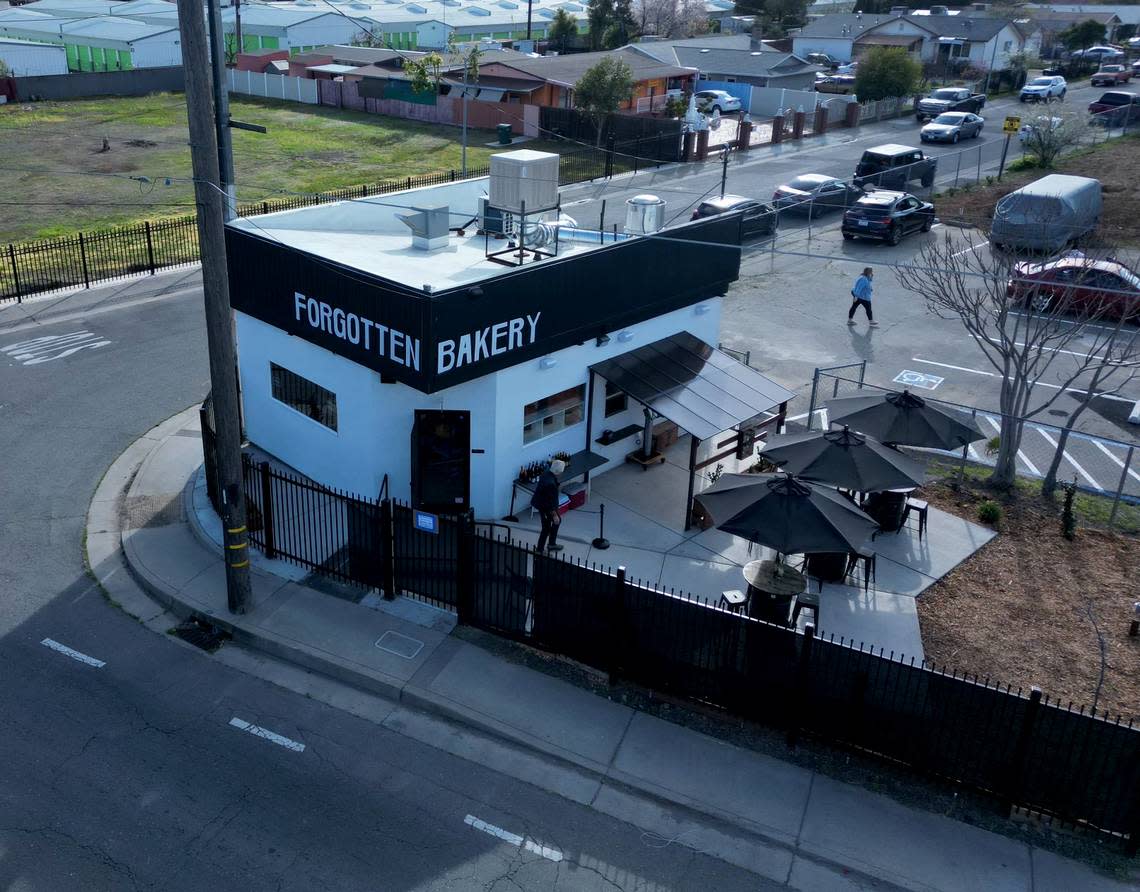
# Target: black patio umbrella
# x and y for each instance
(843, 458)
(786, 514)
(903, 419)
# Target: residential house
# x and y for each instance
(734, 59)
(1128, 14)
(983, 42)
(1052, 21)
(559, 74)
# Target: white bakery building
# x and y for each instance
(350, 318)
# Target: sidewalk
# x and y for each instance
(798, 826)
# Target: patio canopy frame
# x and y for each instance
(701, 389)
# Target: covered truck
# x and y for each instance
(1047, 214)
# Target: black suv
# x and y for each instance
(759, 217)
(887, 216)
(893, 166)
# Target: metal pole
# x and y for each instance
(215, 287)
(601, 543)
(979, 179)
(811, 404)
(222, 106)
(723, 169)
(1004, 152)
(958, 170)
(694, 445)
(463, 155)
(1120, 486)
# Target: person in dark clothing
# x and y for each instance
(545, 502)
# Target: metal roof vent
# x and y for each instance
(429, 226)
(644, 214)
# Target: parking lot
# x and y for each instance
(789, 308)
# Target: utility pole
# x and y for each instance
(222, 106)
(209, 199)
(529, 6)
(463, 150)
(237, 25)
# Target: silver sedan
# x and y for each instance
(951, 127)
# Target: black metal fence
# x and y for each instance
(83, 259)
(1021, 750)
(570, 123)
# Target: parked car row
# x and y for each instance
(1078, 284)
(1115, 108)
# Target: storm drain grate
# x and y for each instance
(200, 634)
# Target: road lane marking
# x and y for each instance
(514, 839)
(52, 347)
(266, 734)
(1071, 460)
(997, 427)
(74, 654)
(959, 368)
(969, 249)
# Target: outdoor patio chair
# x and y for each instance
(807, 600)
(920, 508)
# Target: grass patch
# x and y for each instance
(69, 185)
(1092, 511)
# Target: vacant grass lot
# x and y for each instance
(61, 180)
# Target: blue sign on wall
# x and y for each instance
(426, 523)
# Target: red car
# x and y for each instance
(1077, 284)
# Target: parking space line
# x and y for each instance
(1106, 451)
(957, 368)
(1071, 460)
(969, 249)
(997, 428)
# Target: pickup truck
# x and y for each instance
(949, 99)
(1111, 76)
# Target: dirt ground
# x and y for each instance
(1032, 608)
(1114, 163)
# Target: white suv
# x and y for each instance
(709, 101)
(1043, 89)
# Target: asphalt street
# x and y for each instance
(128, 760)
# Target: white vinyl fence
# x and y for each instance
(273, 86)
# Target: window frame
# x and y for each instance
(608, 397)
(541, 417)
(283, 398)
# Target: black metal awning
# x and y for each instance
(699, 388)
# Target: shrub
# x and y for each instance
(993, 444)
(989, 512)
(1028, 162)
(1068, 518)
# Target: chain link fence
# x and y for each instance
(1100, 466)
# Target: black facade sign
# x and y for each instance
(434, 341)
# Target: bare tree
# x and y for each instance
(1051, 134)
(1024, 337)
(672, 18)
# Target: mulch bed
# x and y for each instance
(1032, 608)
(1113, 163)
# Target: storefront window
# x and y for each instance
(308, 398)
(554, 413)
(616, 400)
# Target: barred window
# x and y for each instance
(308, 398)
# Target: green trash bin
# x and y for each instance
(504, 134)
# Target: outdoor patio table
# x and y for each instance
(829, 566)
(772, 594)
(887, 508)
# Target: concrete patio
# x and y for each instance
(644, 524)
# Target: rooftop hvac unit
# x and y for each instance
(494, 221)
(524, 178)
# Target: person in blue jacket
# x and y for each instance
(862, 297)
